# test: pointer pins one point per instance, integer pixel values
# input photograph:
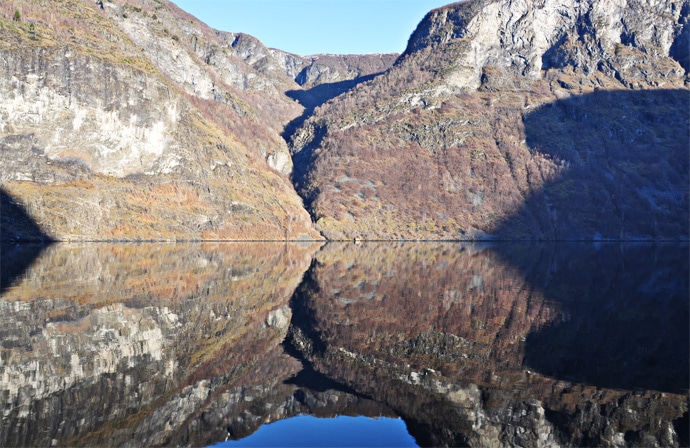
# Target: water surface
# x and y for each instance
(462, 344)
(341, 431)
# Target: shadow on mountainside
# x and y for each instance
(321, 93)
(316, 96)
(21, 240)
(624, 156)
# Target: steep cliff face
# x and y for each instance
(226, 74)
(615, 38)
(518, 119)
(112, 119)
(110, 130)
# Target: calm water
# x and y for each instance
(266, 344)
(341, 431)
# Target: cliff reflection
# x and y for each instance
(506, 344)
(627, 315)
(98, 339)
(475, 345)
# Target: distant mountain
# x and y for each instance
(512, 119)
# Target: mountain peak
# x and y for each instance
(528, 36)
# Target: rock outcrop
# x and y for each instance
(617, 39)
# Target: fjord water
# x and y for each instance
(462, 344)
(340, 431)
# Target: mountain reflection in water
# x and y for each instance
(470, 344)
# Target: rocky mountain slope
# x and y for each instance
(133, 120)
(544, 119)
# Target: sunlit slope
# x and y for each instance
(101, 138)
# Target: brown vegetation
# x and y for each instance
(222, 188)
(393, 159)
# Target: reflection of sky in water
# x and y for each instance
(304, 431)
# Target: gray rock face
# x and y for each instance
(292, 64)
(111, 119)
(23, 158)
(99, 112)
(528, 36)
(218, 67)
(330, 68)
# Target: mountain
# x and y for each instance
(133, 120)
(512, 119)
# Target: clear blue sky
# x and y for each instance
(307, 27)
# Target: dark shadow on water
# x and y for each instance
(624, 311)
(606, 316)
(21, 240)
(15, 259)
(624, 158)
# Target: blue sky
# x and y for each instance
(307, 27)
